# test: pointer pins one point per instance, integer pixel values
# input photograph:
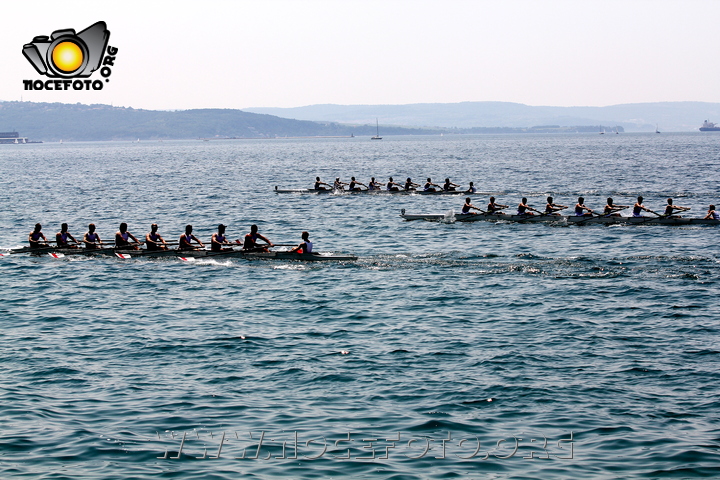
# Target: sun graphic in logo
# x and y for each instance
(67, 56)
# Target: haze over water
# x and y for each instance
(473, 337)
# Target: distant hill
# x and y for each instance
(78, 122)
(668, 116)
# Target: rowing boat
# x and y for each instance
(127, 253)
(367, 192)
(569, 219)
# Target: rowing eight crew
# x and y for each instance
(154, 241)
(391, 186)
(610, 210)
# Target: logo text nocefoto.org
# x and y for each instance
(68, 57)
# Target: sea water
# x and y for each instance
(447, 350)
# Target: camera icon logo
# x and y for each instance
(66, 54)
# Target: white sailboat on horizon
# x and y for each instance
(377, 131)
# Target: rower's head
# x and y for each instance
(408, 180)
(640, 199)
(549, 199)
(447, 180)
(317, 179)
(669, 201)
(467, 200)
(153, 227)
(471, 184)
(337, 179)
(429, 179)
(581, 200)
(712, 207)
(91, 227)
(253, 229)
(221, 229)
(391, 179)
(38, 227)
(352, 178)
(188, 229)
(64, 227)
(123, 227)
(524, 200)
(610, 201)
(305, 236)
(492, 199)
(372, 179)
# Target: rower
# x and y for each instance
(523, 208)
(91, 239)
(338, 185)
(122, 238)
(429, 186)
(35, 236)
(712, 214)
(186, 239)
(218, 240)
(319, 185)
(494, 207)
(353, 185)
(373, 185)
(448, 186)
(638, 208)
(469, 206)
(410, 186)
(306, 246)
(552, 208)
(153, 240)
(62, 237)
(611, 210)
(670, 209)
(391, 186)
(471, 188)
(250, 244)
(581, 210)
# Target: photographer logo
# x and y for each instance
(69, 56)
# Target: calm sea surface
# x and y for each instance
(448, 350)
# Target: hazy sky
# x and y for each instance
(287, 53)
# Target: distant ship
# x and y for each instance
(709, 127)
(14, 137)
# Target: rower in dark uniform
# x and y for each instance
(63, 237)
(373, 185)
(306, 246)
(153, 240)
(122, 238)
(448, 186)
(250, 243)
(35, 236)
(494, 207)
(218, 240)
(712, 214)
(429, 186)
(552, 208)
(91, 239)
(353, 187)
(319, 185)
(638, 208)
(469, 206)
(392, 186)
(471, 188)
(186, 239)
(410, 186)
(581, 210)
(523, 208)
(671, 209)
(612, 210)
